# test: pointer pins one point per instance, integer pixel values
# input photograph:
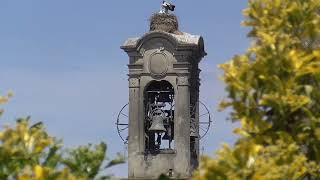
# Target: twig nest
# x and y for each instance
(164, 22)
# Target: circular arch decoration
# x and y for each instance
(158, 64)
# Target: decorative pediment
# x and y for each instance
(183, 42)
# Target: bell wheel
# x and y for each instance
(204, 119)
(123, 123)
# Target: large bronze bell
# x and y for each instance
(157, 125)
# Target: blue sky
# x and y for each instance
(63, 62)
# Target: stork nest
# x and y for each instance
(164, 22)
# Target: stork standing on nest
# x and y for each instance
(165, 7)
(165, 21)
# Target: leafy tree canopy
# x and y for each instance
(274, 92)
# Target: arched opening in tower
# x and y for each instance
(159, 117)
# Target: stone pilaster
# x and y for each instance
(134, 123)
(182, 126)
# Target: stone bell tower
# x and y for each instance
(163, 100)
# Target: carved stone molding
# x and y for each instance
(183, 81)
(134, 83)
(158, 64)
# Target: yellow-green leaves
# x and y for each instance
(21, 148)
(274, 92)
(25, 141)
(317, 133)
(29, 153)
(248, 160)
(4, 99)
(276, 83)
(289, 101)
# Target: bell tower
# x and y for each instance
(164, 82)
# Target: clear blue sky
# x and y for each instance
(62, 59)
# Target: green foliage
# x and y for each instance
(29, 153)
(164, 177)
(3, 100)
(249, 160)
(274, 93)
(86, 161)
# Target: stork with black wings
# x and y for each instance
(165, 7)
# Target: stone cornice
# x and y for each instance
(184, 42)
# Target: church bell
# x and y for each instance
(157, 125)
